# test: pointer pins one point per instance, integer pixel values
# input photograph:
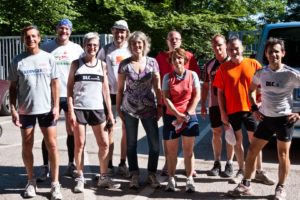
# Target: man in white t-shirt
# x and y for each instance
(64, 52)
(33, 77)
(113, 53)
(274, 116)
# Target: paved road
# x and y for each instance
(13, 175)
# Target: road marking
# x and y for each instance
(39, 141)
(145, 193)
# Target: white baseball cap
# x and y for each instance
(121, 24)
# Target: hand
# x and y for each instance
(181, 118)
(294, 117)
(203, 111)
(110, 118)
(258, 116)
(15, 118)
(225, 119)
(120, 114)
(55, 112)
(158, 113)
(72, 119)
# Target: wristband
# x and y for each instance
(254, 108)
(12, 109)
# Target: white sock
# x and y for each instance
(229, 162)
(259, 170)
(190, 177)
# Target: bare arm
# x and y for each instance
(252, 99)
(55, 95)
(204, 94)
(222, 105)
(157, 89)
(121, 82)
(12, 101)
(171, 107)
(106, 95)
(70, 86)
(195, 99)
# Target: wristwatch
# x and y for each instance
(187, 113)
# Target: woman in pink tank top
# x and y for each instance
(181, 93)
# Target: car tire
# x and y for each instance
(5, 107)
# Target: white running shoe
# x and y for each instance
(171, 184)
(55, 191)
(190, 185)
(80, 185)
(30, 189)
(106, 181)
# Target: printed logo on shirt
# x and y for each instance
(119, 59)
(33, 72)
(270, 83)
(62, 58)
(43, 64)
(88, 77)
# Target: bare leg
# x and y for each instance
(27, 145)
(239, 149)
(284, 160)
(188, 150)
(217, 142)
(172, 155)
(79, 137)
(259, 156)
(111, 144)
(50, 137)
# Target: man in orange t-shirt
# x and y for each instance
(233, 80)
(173, 41)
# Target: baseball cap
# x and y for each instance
(121, 24)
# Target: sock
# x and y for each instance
(259, 170)
(229, 162)
(80, 176)
(189, 177)
(45, 153)
(246, 182)
(104, 174)
(280, 185)
(110, 165)
(218, 159)
(122, 162)
(71, 146)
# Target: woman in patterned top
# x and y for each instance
(141, 75)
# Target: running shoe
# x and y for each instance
(43, 174)
(165, 171)
(134, 183)
(110, 171)
(241, 190)
(171, 184)
(106, 181)
(124, 171)
(80, 185)
(71, 171)
(30, 189)
(238, 177)
(216, 170)
(280, 193)
(152, 179)
(228, 170)
(190, 185)
(263, 177)
(55, 191)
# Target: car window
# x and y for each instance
(291, 36)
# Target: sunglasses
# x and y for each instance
(92, 45)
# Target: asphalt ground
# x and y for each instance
(13, 178)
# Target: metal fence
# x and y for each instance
(10, 46)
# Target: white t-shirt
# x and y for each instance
(114, 56)
(277, 89)
(33, 74)
(64, 56)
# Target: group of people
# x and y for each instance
(114, 85)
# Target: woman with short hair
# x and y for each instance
(87, 85)
(141, 75)
(181, 93)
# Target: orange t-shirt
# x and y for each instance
(235, 79)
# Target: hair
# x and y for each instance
(178, 51)
(91, 35)
(218, 35)
(27, 28)
(142, 36)
(127, 32)
(171, 32)
(273, 41)
(232, 40)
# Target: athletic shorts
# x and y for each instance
(279, 125)
(215, 117)
(236, 119)
(29, 121)
(63, 104)
(91, 117)
(191, 129)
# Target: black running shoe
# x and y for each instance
(228, 170)
(216, 170)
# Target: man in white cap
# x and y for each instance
(64, 52)
(113, 53)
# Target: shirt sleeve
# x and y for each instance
(154, 66)
(12, 71)
(193, 65)
(256, 78)
(101, 54)
(195, 80)
(219, 81)
(165, 84)
(54, 68)
(122, 67)
(297, 79)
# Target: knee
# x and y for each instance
(79, 146)
(252, 152)
(103, 146)
(283, 155)
(188, 151)
(27, 148)
(217, 135)
(52, 146)
(172, 151)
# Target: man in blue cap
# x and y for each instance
(64, 52)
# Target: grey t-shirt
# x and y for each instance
(33, 74)
(64, 56)
(276, 89)
(114, 56)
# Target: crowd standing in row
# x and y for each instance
(90, 89)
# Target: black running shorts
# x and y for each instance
(91, 117)
(215, 117)
(236, 120)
